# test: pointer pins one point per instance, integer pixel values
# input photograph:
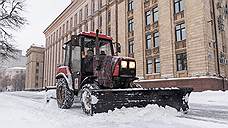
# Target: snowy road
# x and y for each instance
(29, 110)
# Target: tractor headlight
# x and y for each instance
(124, 64)
(131, 64)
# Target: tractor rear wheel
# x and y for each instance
(64, 96)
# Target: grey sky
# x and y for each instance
(40, 14)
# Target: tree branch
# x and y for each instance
(10, 19)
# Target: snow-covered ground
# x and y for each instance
(29, 110)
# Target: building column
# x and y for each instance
(166, 39)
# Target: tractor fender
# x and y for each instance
(68, 78)
(88, 79)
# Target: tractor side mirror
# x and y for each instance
(118, 48)
(64, 47)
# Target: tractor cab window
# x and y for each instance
(67, 53)
(90, 45)
(105, 48)
(76, 59)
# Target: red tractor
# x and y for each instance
(104, 81)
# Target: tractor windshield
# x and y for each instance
(105, 46)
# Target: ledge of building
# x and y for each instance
(197, 83)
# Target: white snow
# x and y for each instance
(30, 110)
(210, 98)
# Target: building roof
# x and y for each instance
(17, 68)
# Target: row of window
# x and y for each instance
(178, 5)
(154, 65)
(65, 27)
(78, 17)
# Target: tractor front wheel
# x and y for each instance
(86, 97)
(64, 96)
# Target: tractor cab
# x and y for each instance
(86, 56)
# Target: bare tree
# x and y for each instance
(10, 19)
(18, 82)
(5, 82)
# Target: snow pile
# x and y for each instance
(152, 115)
(29, 110)
(210, 98)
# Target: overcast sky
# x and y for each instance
(40, 14)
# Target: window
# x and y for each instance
(92, 25)
(180, 32)
(60, 30)
(57, 35)
(36, 86)
(109, 17)
(226, 9)
(148, 41)
(100, 21)
(63, 29)
(67, 26)
(86, 27)
(157, 65)
(53, 37)
(80, 16)
(80, 29)
(93, 6)
(86, 11)
(130, 25)
(37, 78)
(181, 61)
(37, 71)
(37, 64)
(109, 31)
(179, 6)
(149, 64)
(155, 14)
(75, 19)
(148, 17)
(130, 5)
(145, 1)
(71, 23)
(156, 39)
(100, 4)
(130, 47)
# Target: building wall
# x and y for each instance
(18, 61)
(198, 44)
(34, 68)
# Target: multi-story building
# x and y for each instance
(169, 39)
(34, 67)
(11, 71)
(19, 60)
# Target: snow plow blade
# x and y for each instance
(109, 99)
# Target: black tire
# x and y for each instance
(86, 98)
(64, 96)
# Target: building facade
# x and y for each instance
(12, 72)
(168, 39)
(19, 60)
(34, 68)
